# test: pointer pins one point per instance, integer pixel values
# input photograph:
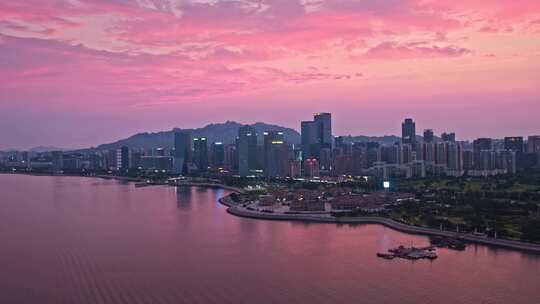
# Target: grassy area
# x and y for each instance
(469, 185)
(507, 205)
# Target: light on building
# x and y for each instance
(386, 185)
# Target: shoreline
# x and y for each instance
(120, 178)
(133, 180)
(317, 218)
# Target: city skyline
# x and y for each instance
(439, 133)
(266, 150)
(115, 68)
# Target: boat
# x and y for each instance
(410, 253)
(387, 256)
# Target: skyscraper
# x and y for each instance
(323, 122)
(309, 138)
(316, 135)
(200, 153)
(247, 150)
(218, 155)
(408, 132)
(182, 151)
(448, 137)
(275, 154)
(428, 135)
(269, 137)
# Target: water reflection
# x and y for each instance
(79, 240)
(183, 197)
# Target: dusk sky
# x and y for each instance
(77, 73)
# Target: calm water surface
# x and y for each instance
(82, 240)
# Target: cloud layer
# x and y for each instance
(122, 55)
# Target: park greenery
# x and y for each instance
(504, 206)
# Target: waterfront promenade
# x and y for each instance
(327, 218)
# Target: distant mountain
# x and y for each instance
(223, 132)
(41, 149)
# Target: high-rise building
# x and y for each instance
(136, 159)
(57, 159)
(372, 153)
(309, 139)
(268, 138)
(182, 152)
(275, 154)
(340, 141)
(451, 137)
(468, 160)
(247, 150)
(533, 144)
(405, 156)
(418, 169)
(218, 155)
(316, 135)
(441, 153)
(156, 162)
(454, 158)
(323, 121)
(390, 154)
(508, 161)
(428, 135)
(482, 160)
(110, 159)
(200, 153)
(429, 152)
(231, 157)
(514, 144)
(122, 159)
(408, 132)
(481, 144)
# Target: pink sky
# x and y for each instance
(77, 73)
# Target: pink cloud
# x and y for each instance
(392, 50)
(90, 55)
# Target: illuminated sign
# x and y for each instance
(386, 185)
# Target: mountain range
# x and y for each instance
(226, 132)
(218, 132)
